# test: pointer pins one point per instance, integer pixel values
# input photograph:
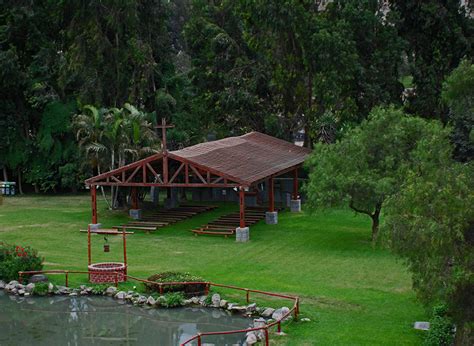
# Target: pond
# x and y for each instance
(64, 320)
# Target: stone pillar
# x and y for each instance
(242, 234)
(135, 213)
(172, 201)
(295, 205)
(155, 195)
(95, 226)
(271, 217)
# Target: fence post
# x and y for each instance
(206, 290)
(199, 340)
(267, 341)
(297, 308)
(161, 289)
(116, 279)
(20, 277)
(67, 278)
(279, 326)
(247, 295)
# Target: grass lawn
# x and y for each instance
(353, 294)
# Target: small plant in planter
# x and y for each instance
(188, 290)
(15, 258)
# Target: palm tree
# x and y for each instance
(115, 136)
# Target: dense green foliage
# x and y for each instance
(213, 69)
(368, 164)
(429, 223)
(15, 258)
(438, 35)
(458, 94)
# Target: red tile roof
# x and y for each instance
(250, 158)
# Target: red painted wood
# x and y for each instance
(295, 183)
(271, 197)
(94, 203)
(242, 207)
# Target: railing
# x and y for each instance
(294, 310)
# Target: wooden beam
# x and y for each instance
(198, 174)
(94, 203)
(133, 174)
(242, 207)
(271, 197)
(177, 172)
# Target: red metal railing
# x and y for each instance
(294, 310)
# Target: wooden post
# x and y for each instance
(124, 250)
(89, 255)
(242, 206)
(134, 198)
(271, 197)
(295, 184)
(94, 203)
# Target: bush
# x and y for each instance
(99, 289)
(188, 290)
(41, 289)
(441, 331)
(173, 300)
(15, 258)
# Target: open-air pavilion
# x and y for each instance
(235, 162)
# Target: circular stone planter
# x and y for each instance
(107, 272)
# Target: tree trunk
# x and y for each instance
(376, 222)
(464, 335)
(5, 173)
(20, 185)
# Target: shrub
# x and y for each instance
(173, 300)
(441, 331)
(99, 289)
(41, 289)
(15, 258)
(188, 290)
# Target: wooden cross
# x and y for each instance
(163, 128)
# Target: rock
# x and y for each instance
(202, 300)
(2, 284)
(30, 287)
(238, 308)
(21, 291)
(279, 313)
(73, 294)
(84, 293)
(141, 300)
(259, 323)
(27, 294)
(151, 301)
(268, 312)
(120, 295)
(129, 297)
(305, 319)
(89, 290)
(195, 300)
(422, 325)
(38, 278)
(111, 291)
(251, 308)
(223, 304)
(216, 300)
(60, 289)
(251, 338)
(50, 288)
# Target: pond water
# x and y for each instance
(63, 320)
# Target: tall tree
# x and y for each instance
(368, 164)
(458, 95)
(429, 222)
(439, 34)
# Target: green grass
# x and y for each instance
(353, 294)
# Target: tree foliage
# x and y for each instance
(458, 95)
(430, 223)
(368, 164)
